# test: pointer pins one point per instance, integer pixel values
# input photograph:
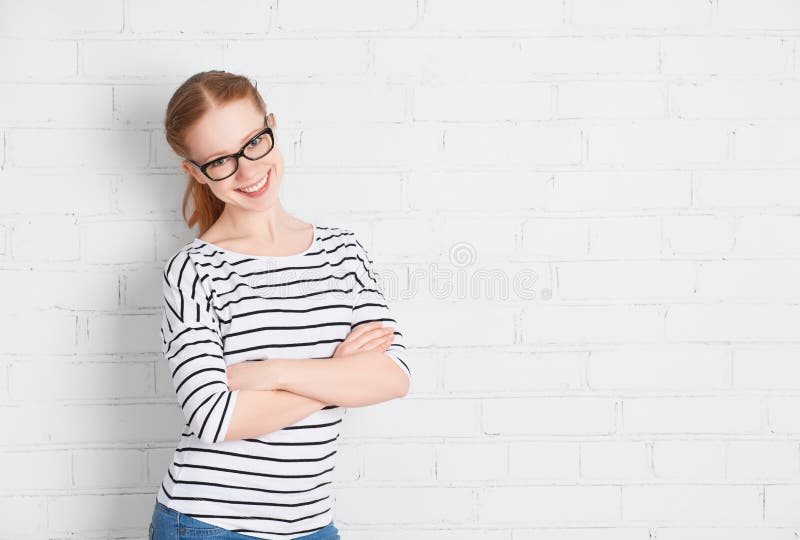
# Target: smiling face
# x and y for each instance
(225, 130)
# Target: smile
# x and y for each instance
(257, 187)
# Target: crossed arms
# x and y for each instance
(293, 388)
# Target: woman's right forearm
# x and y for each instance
(257, 412)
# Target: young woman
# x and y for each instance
(271, 328)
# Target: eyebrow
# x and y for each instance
(243, 141)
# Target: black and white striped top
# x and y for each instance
(222, 308)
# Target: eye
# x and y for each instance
(218, 162)
(256, 140)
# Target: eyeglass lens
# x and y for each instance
(256, 148)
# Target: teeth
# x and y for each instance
(254, 187)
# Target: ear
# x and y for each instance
(271, 121)
(192, 170)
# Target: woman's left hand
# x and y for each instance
(253, 375)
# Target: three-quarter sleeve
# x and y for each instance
(193, 348)
(371, 305)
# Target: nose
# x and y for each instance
(249, 170)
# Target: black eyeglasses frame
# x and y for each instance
(267, 130)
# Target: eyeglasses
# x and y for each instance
(222, 167)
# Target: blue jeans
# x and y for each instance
(169, 524)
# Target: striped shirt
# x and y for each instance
(222, 308)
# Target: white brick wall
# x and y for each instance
(628, 169)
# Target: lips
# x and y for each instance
(263, 179)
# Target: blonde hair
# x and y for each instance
(193, 98)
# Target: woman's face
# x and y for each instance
(226, 130)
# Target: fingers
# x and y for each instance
(367, 336)
(365, 328)
(375, 335)
(381, 342)
(374, 332)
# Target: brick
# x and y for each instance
(640, 14)
(698, 234)
(588, 55)
(601, 99)
(626, 280)
(101, 242)
(766, 235)
(719, 414)
(731, 55)
(108, 468)
(123, 333)
(781, 503)
(671, 142)
(549, 415)
(616, 461)
(735, 99)
(97, 150)
(377, 145)
(737, 279)
(38, 60)
(659, 367)
(378, 505)
(43, 289)
(100, 512)
(346, 16)
(543, 460)
(471, 462)
(758, 461)
(584, 533)
(689, 461)
(149, 60)
(47, 18)
(398, 462)
(505, 15)
(769, 14)
(458, 325)
(23, 333)
(142, 288)
(187, 17)
(366, 192)
(592, 324)
(466, 371)
(335, 102)
(683, 503)
(613, 190)
(766, 368)
(765, 144)
(756, 532)
(511, 145)
(555, 237)
(781, 413)
(548, 504)
(517, 101)
(110, 423)
(86, 194)
(284, 57)
(745, 188)
(415, 418)
(59, 105)
(78, 380)
(24, 515)
(732, 322)
(36, 471)
(624, 237)
(511, 190)
(448, 59)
